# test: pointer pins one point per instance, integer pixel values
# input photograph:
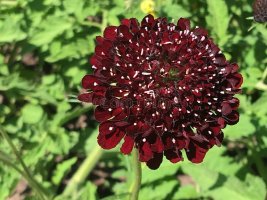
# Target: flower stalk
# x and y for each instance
(84, 170)
(137, 176)
(26, 172)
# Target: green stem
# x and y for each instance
(8, 3)
(137, 172)
(264, 75)
(6, 160)
(84, 170)
(89, 23)
(261, 86)
(6, 137)
(104, 20)
(254, 152)
(39, 190)
(260, 165)
(76, 113)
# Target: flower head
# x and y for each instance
(161, 88)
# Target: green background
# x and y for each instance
(44, 51)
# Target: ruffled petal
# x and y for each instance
(114, 114)
(195, 153)
(183, 24)
(155, 162)
(110, 32)
(145, 152)
(173, 155)
(128, 144)
(109, 135)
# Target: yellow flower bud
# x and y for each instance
(148, 7)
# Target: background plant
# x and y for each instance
(44, 51)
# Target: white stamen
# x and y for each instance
(135, 74)
(146, 73)
(142, 51)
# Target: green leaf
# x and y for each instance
(259, 104)
(89, 191)
(61, 141)
(216, 159)
(62, 169)
(218, 19)
(11, 29)
(32, 114)
(50, 28)
(117, 197)
(175, 11)
(216, 185)
(243, 128)
(160, 190)
(3, 67)
(74, 49)
(186, 192)
(234, 188)
(252, 76)
(75, 7)
(11, 81)
(205, 178)
(166, 169)
(7, 180)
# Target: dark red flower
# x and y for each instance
(161, 88)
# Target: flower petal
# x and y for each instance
(109, 135)
(183, 24)
(155, 162)
(195, 153)
(173, 155)
(145, 152)
(128, 144)
(110, 32)
(92, 82)
(103, 114)
(86, 97)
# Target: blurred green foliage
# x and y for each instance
(44, 51)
